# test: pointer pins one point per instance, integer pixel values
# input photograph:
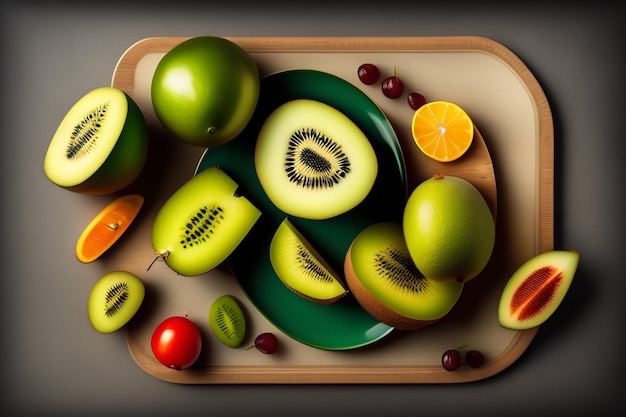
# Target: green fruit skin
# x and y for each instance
(449, 229)
(205, 90)
(125, 162)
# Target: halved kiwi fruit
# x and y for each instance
(101, 144)
(114, 300)
(312, 161)
(202, 222)
(385, 281)
(536, 289)
(302, 269)
(227, 321)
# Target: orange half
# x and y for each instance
(107, 227)
(442, 130)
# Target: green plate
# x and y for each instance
(344, 324)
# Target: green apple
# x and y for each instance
(100, 146)
(205, 90)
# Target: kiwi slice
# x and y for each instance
(114, 300)
(385, 281)
(302, 269)
(312, 161)
(227, 321)
(202, 222)
(101, 144)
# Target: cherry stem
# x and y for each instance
(463, 350)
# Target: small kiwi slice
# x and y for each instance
(114, 300)
(100, 146)
(312, 161)
(202, 222)
(385, 281)
(227, 321)
(302, 269)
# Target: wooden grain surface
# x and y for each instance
(520, 187)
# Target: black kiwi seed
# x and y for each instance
(396, 267)
(82, 138)
(201, 226)
(314, 160)
(227, 321)
(115, 298)
(311, 266)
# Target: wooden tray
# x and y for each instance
(511, 112)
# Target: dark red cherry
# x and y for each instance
(416, 100)
(392, 87)
(266, 343)
(368, 74)
(451, 359)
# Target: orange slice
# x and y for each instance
(107, 227)
(442, 130)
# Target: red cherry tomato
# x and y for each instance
(176, 342)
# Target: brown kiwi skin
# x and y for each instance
(317, 300)
(374, 307)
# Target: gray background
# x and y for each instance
(55, 364)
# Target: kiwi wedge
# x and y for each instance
(302, 269)
(100, 146)
(202, 222)
(227, 321)
(312, 161)
(385, 281)
(114, 300)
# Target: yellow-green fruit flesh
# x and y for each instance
(449, 229)
(312, 161)
(100, 146)
(379, 261)
(301, 268)
(227, 321)
(205, 90)
(536, 289)
(114, 300)
(200, 225)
